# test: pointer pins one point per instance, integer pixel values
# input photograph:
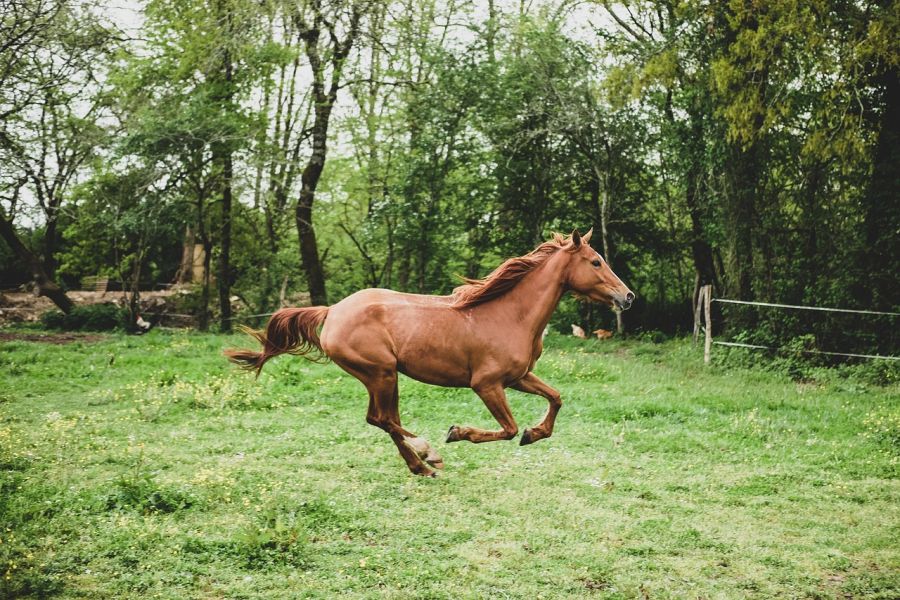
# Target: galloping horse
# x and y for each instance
(487, 336)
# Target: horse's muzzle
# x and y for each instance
(624, 303)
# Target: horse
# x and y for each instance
(486, 335)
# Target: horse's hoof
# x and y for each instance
(526, 438)
(422, 471)
(452, 434)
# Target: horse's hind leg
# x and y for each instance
(384, 413)
(495, 399)
(531, 384)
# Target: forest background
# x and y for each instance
(322, 146)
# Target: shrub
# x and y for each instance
(54, 319)
(90, 317)
(653, 336)
(100, 317)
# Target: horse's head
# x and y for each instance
(590, 276)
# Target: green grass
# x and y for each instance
(140, 467)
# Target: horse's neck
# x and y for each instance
(534, 299)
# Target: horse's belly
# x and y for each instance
(436, 370)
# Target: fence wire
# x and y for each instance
(874, 338)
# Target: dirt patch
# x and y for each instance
(596, 584)
(51, 338)
(25, 307)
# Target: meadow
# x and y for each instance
(147, 467)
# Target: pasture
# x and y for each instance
(145, 467)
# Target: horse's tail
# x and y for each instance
(289, 331)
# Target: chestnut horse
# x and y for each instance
(485, 336)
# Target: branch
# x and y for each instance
(622, 23)
(362, 251)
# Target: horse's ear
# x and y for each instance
(587, 237)
(576, 238)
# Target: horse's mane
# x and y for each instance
(506, 276)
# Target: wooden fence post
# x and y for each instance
(696, 299)
(707, 307)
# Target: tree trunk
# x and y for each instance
(324, 101)
(203, 317)
(203, 236)
(51, 241)
(693, 141)
(810, 254)
(421, 262)
(882, 209)
(186, 270)
(743, 173)
(309, 247)
(43, 283)
(745, 151)
(403, 272)
(701, 251)
(224, 274)
(603, 190)
(134, 286)
(222, 155)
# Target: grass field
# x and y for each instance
(140, 467)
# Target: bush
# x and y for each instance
(796, 360)
(875, 371)
(91, 317)
(54, 319)
(653, 336)
(100, 317)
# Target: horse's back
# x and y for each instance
(407, 330)
(392, 297)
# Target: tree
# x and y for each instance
(128, 225)
(181, 106)
(51, 102)
(327, 63)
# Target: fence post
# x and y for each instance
(707, 307)
(696, 299)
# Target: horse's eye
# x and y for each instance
(596, 263)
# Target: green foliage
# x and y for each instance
(877, 372)
(753, 144)
(137, 489)
(126, 229)
(278, 537)
(54, 319)
(89, 317)
(798, 359)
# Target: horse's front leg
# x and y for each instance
(530, 384)
(495, 399)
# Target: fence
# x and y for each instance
(703, 308)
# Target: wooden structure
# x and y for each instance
(98, 284)
(703, 310)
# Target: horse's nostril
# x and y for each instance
(629, 297)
